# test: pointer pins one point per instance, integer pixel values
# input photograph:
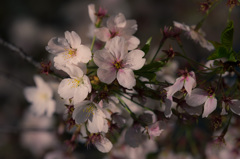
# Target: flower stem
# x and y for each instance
(93, 41)
(159, 47)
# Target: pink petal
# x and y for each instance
(175, 87)
(120, 20)
(102, 34)
(134, 60)
(198, 97)
(117, 48)
(103, 59)
(126, 78)
(91, 12)
(209, 106)
(106, 76)
(189, 83)
(133, 43)
(73, 39)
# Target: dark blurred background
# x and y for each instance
(29, 24)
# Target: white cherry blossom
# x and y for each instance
(40, 97)
(77, 87)
(119, 26)
(68, 50)
(233, 104)
(197, 36)
(91, 113)
(115, 62)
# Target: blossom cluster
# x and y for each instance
(115, 89)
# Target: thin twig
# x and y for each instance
(18, 50)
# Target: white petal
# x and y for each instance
(83, 111)
(43, 86)
(175, 87)
(102, 34)
(209, 106)
(57, 45)
(96, 125)
(104, 145)
(87, 83)
(181, 26)
(83, 53)
(134, 60)
(130, 28)
(120, 20)
(189, 83)
(66, 88)
(103, 59)
(80, 94)
(50, 107)
(133, 43)
(116, 47)
(235, 106)
(126, 78)
(91, 12)
(73, 71)
(73, 39)
(30, 94)
(106, 76)
(198, 97)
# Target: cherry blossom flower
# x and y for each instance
(187, 80)
(119, 26)
(233, 104)
(40, 97)
(196, 35)
(115, 62)
(96, 17)
(77, 87)
(68, 50)
(200, 96)
(154, 130)
(100, 142)
(92, 113)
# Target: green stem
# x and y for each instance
(191, 60)
(126, 107)
(135, 102)
(159, 47)
(199, 25)
(93, 41)
(229, 14)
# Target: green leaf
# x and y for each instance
(146, 47)
(219, 53)
(149, 70)
(227, 35)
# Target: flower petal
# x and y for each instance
(96, 125)
(224, 112)
(91, 12)
(198, 97)
(80, 94)
(102, 34)
(73, 39)
(133, 43)
(235, 106)
(175, 87)
(189, 84)
(134, 60)
(66, 88)
(116, 47)
(57, 45)
(84, 54)
(126, 78)
(103, 145)
(209, 106)
(106, 76)
(103, 59)
(181, 26)
(120, 20)
(83, 111)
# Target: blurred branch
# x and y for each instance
(13, 129)
(18, 50)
